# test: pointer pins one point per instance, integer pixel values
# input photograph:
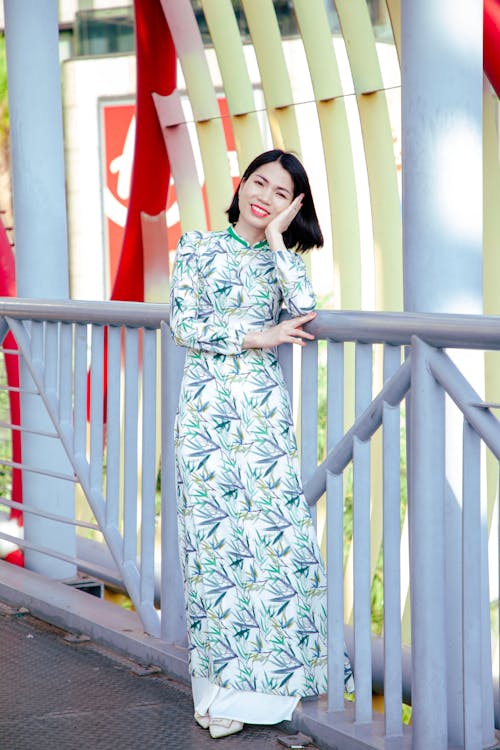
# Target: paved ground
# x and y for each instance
(60, 694)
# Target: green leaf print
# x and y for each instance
(254, 580)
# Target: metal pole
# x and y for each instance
(442, 85)
(37, 148)
(442, 75)
(427, 559)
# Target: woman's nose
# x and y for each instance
(266, 195)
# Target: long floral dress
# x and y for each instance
(255, 583)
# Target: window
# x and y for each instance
(288, 22)
(104, 32)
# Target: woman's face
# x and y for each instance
(261, 197)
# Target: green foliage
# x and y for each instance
(406, 713)
(321, 400)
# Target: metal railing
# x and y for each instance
(116, 426)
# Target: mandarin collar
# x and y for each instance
(234, 235)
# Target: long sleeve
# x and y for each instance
(192, 327)
(298, 294)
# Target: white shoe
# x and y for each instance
(224, 727)
(202, 719)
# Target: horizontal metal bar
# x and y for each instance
(134, 314)
(438, 329)
(24, 544)
(52, 517)
(16, 389)
(34, 470)
(19, 428)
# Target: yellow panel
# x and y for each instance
(343, 201)
(385, 200)
(216, 166)
(266, 39)
(191, 53)
(491, 263)
(182, 163)
(156, 262)
(360, 43)
(325, 78)
(491, 274)
(379, 151)
(189, 46)
(284, 129)
(491, 177)
(199, 85)
(226, 38)
(394, 8)
(248, 138)
(238, 90)
(315, 31)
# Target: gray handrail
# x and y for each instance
(438, 329)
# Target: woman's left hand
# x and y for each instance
(282, 221)
(289, 331)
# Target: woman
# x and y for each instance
(254, 580)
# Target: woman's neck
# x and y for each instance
(249, 234)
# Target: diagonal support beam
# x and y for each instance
(363, 428)
(149, 616)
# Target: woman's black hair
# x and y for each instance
(304, 232)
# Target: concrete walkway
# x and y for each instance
(65, 692)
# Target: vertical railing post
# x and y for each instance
(471, 591)
(130, 443)
(335, 528)
(309, 415)
(392, 559)
(427, 558)
(361, 543)
(335, 600)
(149, 468)
(487, 700)
(173, 621)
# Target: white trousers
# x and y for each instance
(241, 705)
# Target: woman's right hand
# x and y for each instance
(281, 222)
(287, 332)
